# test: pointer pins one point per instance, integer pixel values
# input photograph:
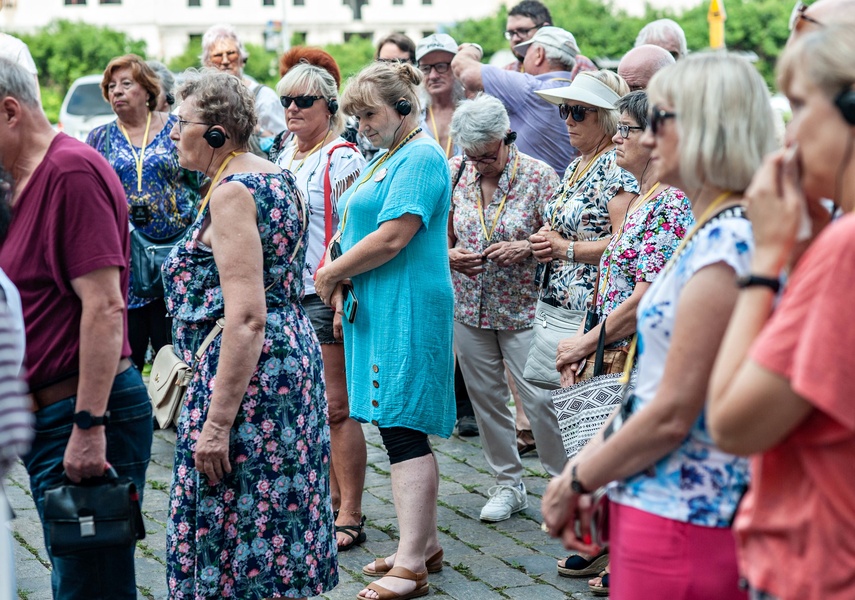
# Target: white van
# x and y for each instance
(84, 108)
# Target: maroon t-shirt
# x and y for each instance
(70, 220)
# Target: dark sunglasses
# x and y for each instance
(798, 15)
(657, 117)
(624, 130)
(300, 101)
(521, 33)
(577, 111)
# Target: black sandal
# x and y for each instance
(356, 533)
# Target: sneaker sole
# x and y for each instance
(513, 512)
(593, 569)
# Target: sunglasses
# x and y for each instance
(300, 101)
(441, 68)
(624, 130)
(798, 15)
(520, 33)
(577, 111)
(657, 117)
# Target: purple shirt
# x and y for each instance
(542, 132)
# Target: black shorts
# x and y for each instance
(321, 316)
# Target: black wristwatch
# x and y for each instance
(84, 419)
(575, 484)
(745, 281)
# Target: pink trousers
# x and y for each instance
(655, 558)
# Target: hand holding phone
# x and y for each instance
(350, 302)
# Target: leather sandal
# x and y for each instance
(356, 533)
(576, 566)
(432, 564)
(422, 587)
(601, 588)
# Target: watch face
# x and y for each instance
(83, 419)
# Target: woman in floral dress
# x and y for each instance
(250, 513)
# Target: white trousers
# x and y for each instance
(481, 353)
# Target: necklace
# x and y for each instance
(138, 159)
(488, 235)
(216, 180)
(312, 151)
(574, 179)
(436, 133)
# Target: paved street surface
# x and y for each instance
(512, 559)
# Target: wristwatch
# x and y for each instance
(745, 281)
(571, 252)
(84, 419)
(575, 484)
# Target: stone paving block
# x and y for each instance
(38, 588)
(534, 592)
(470, 590)
(506, 550)
(532, 564)
(496, 573)
(475, 535)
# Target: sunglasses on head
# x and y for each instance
(300, 101)
(657, 117)
(577, 111)
(798, 15)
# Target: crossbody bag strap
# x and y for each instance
(328, 228)
(218, 327)
(601, 350)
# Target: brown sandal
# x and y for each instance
(432, 564)
(422, 587)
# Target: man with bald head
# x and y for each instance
(807, 18)
(638, 65)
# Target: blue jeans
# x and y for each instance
(94, 575)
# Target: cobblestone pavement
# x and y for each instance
(512, 559)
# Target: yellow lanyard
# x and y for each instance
(138, 159)
(302, 162)
(436, 133)
(574, 179)
(216, 180)
(382, 159)
(674, 257)
(488, 235)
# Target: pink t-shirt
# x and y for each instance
(70, 220)
(796, 526)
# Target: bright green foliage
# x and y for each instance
(352, 56)
(188, 58)
(262, 65)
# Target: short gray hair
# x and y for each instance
(167, 79)
(222, 99)
(216, 33)
(722, 152)
(479, 122)
(635, 105)
(557, 55)
(661, 30)
(312, 80)
(17, 82)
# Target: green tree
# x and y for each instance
(188, 58)
(351, 56)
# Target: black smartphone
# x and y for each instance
(350, 302)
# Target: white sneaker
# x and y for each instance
(504, 501)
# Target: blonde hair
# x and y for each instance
(608, 117)
(824, 56)
(312, 80)
(383, 83)
(720, 149)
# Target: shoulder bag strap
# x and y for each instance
(459, 174)
(218, 327)
(601, 349)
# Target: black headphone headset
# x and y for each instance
(403, 107)
(510, 138)
(215, 136)
(170, 98)
(332, 106)
(845, 102)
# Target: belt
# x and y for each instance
(66, 388)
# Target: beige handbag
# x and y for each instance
(170, 377)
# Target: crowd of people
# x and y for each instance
(396, 250)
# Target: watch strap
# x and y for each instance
(751, 280)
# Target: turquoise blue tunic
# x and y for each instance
(398, 350)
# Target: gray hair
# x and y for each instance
(662, 30)
(222, 99)
(311, 80)
(479, 122)
(557, 55)
(17, 82)
(216, 33)
(635, 105)
(167, 79)
(722, 152)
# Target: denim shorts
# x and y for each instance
(321, 316)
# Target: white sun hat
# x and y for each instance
(584, 88)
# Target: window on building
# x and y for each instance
(397, 2)
(111, 1)
(299, 2)
(426, 2)
(194, 2)
(298, 38)
(268, 2)
(225, 2)
(356, 35)
(72, 2)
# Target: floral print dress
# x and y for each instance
(265, 530)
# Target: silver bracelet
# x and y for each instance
(571, 254)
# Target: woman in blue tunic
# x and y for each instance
(398, 347)
(250, 514)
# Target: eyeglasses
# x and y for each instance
(799, 15)
(182, 123)
(441, 68)
(657, 116)
(487, 159)
(300, 101)
(231, 55)
(577, 111)
(520, 33)
(624, 130)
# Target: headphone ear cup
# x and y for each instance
(510, 138)
(845, 102)
(216, 138)
(332, 106)
(403, 107)
(170, 99)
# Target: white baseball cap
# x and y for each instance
(584, 88)
(435, 42)
(554, 37)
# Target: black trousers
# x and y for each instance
(146, 324)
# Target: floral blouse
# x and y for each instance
(649, 236)
(580, 213)
(696, 482)
(500, 297)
